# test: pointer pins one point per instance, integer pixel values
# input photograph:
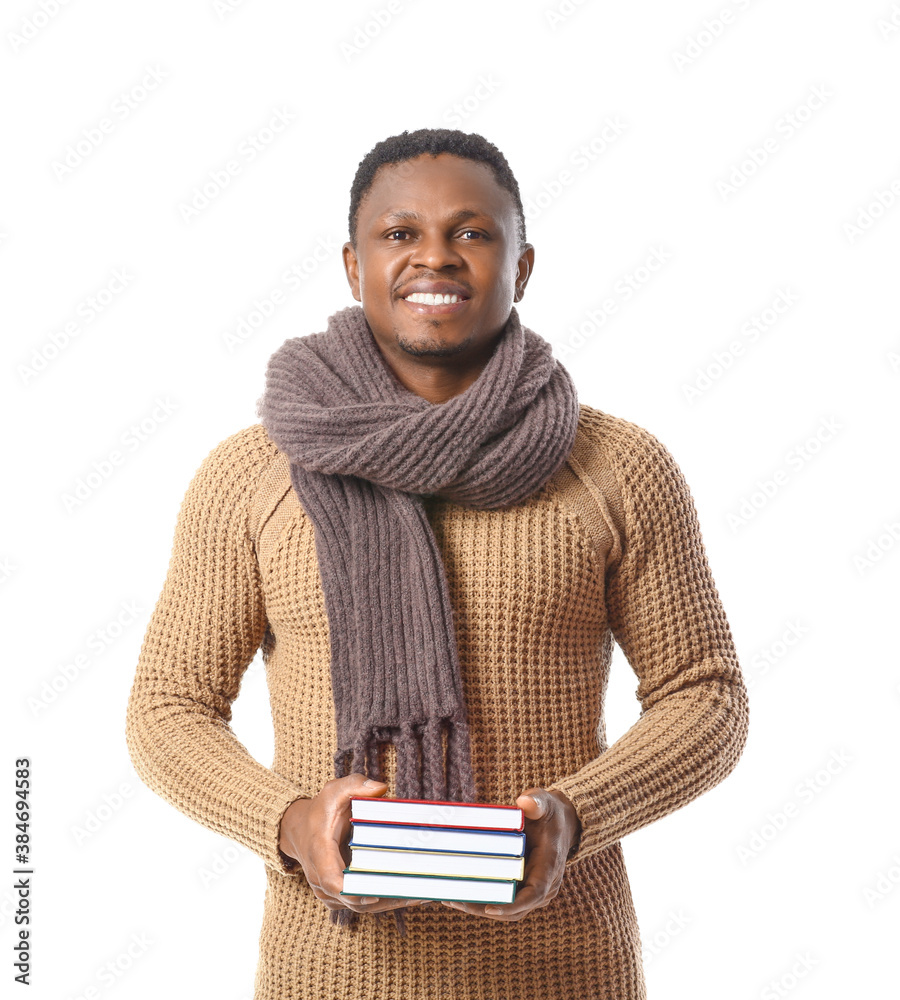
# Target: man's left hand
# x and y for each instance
(551, 828)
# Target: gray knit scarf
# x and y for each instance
(363, 450)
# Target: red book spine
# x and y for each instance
(442, 802)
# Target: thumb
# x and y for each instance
(371, 787)
(530, 804)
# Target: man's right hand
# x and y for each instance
(315, 833)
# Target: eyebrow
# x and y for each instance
(406, 215)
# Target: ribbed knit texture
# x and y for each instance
(537, 606)
(362, 447)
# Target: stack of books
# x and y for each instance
(426, 849)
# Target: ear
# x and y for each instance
(523, 271)
(351, 268)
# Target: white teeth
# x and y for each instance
(427, 299)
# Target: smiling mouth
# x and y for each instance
(426, 303)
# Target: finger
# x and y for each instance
(330, 870)
(496, 911)
(535, 890)
(531, 805)
(375, 904)
(455, 904)
(539, 870)
(478, 909)
(394, 904)
(527, 898)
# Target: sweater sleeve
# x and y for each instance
(205, 629)
(666, 615)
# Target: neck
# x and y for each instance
(437, 374)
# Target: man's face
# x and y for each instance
(437, 225)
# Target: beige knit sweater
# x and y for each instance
(539, 593)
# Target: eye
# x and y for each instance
(402, 232)
(474, 232)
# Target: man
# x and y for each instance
(436, 621)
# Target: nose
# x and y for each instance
(436, 251)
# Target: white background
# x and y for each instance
(732, 901)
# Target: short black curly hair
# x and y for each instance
(409, 145)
